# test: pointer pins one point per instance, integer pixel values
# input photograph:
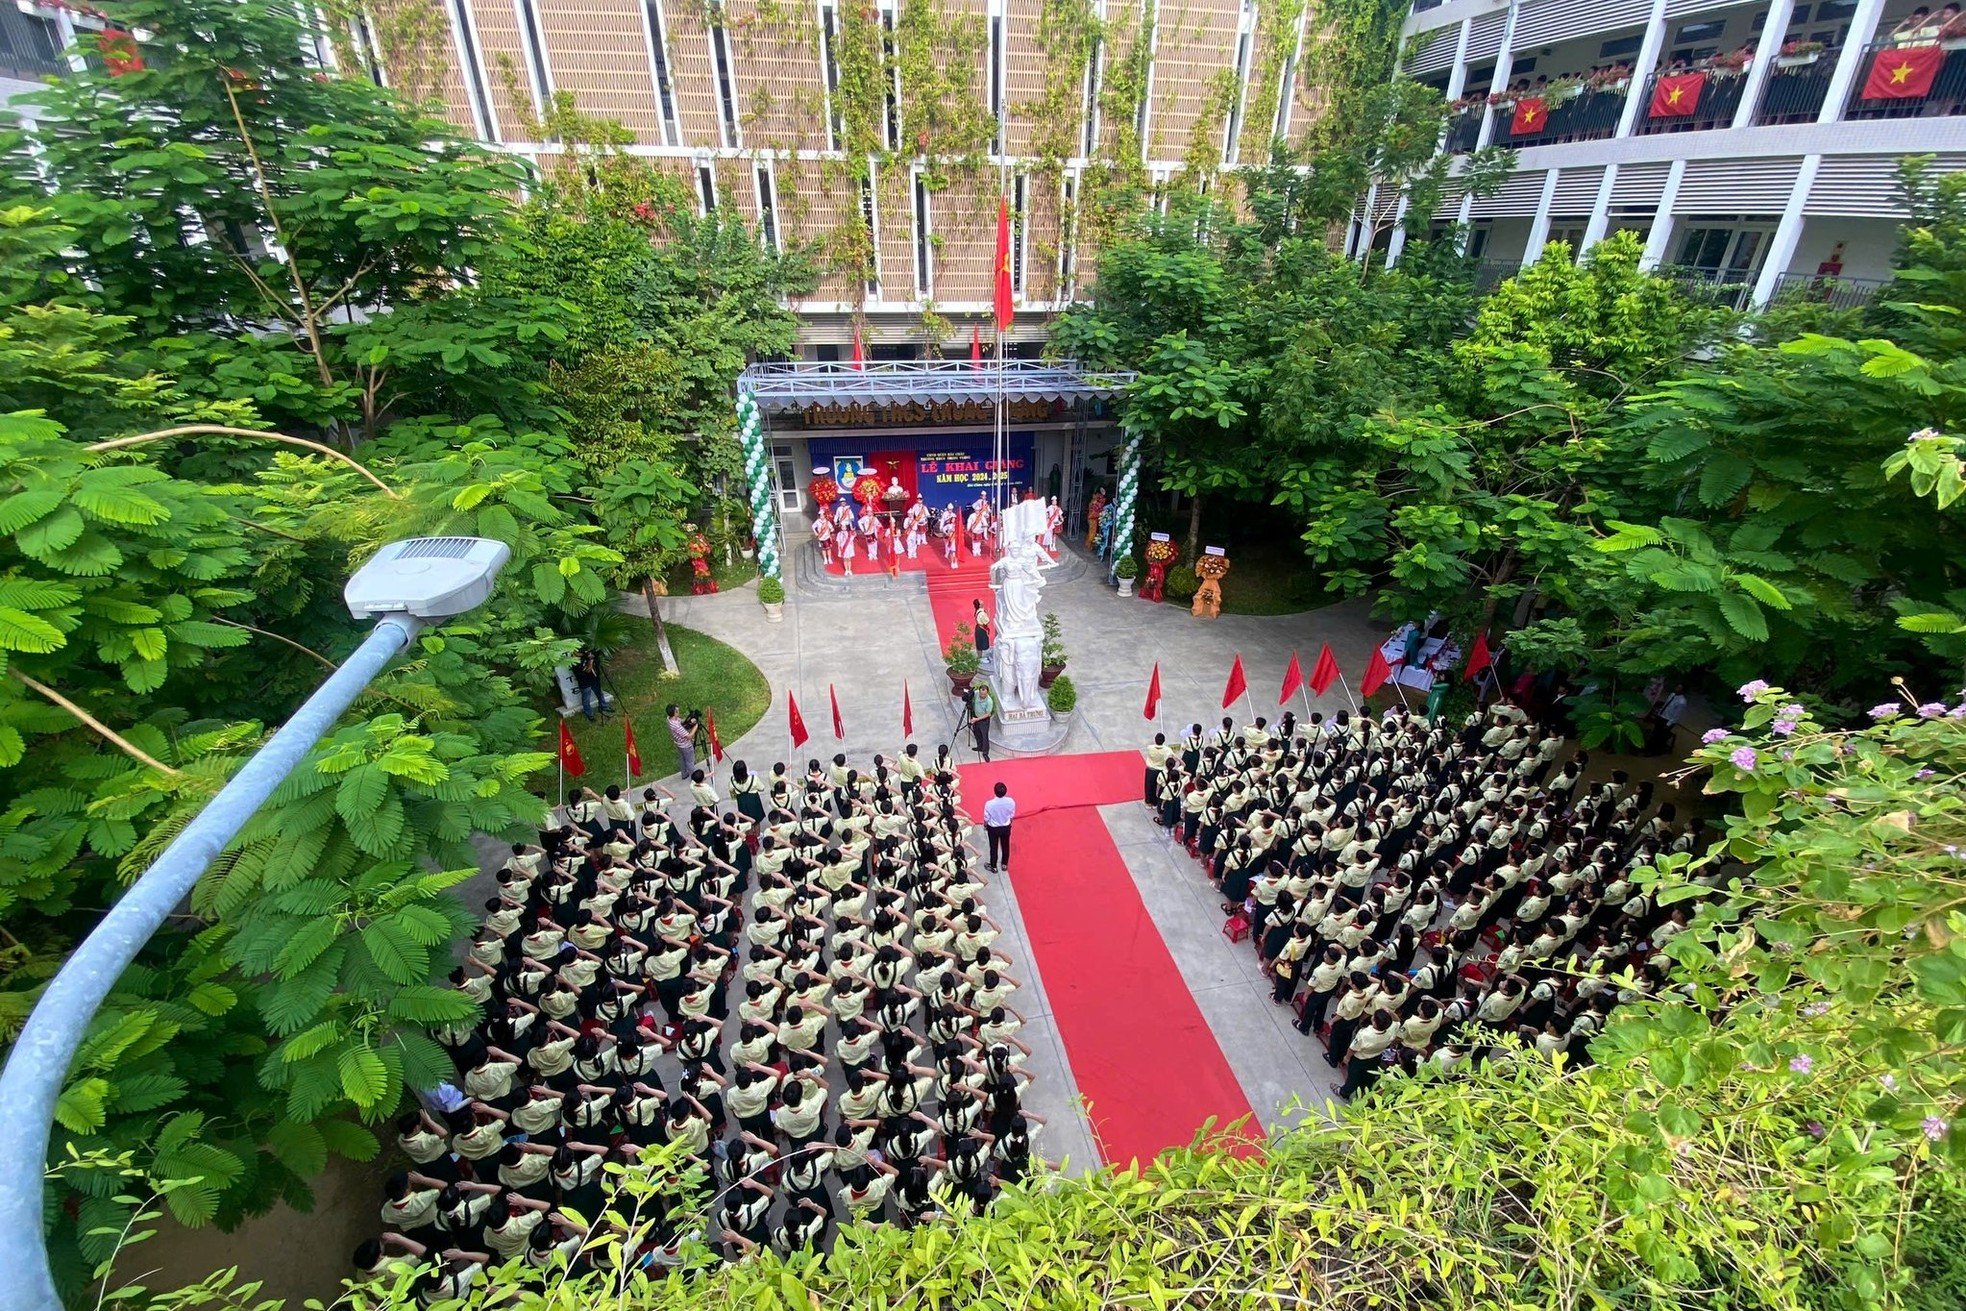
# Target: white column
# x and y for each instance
(1787, 233)
(1643, 66)
(1457, 76)
(1660, 237)
(1504, 59)
(1539, 227)
(1850, 60)
(1398, 242)
(1463, 215)
(1600, 211)
(1355, 248)
(1770, 46)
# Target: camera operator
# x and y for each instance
(979, 704)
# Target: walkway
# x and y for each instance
(865, 637)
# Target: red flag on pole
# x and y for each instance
(570, 753)
(1677, 97)
(1377, 671)
(907, 712)
(799, 734)
(975, 345)
(1293, 678)
(859, 355)
(716, 743)
(634, 751)
(1005, 295)
(1153, 694)
(1478, 657)
(1906, 73)
(1237, 683)
(1325, 672)
(839, 725)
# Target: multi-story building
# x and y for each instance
(1753, 145)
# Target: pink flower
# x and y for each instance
(1801, 1064)
(1782, 727)
(1750, 690)
(1934, 1127)
(1885, 710)
(1714, 735)
(1744, 758)
(1931, 710)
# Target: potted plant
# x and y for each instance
(1051, 657)
(1061, 697)
(771, 593)
(1799, 54)
(961, 659)
(1126, 571)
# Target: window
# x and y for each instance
(370, 50)
(786, 474)
(1708, 31)
(474, 70)
(829, 32)
(891, 51)
(1287, 88)
(726, 80)
(1245, 43)
(996, 75)
(534, 49)
(870, 215)
(1835, 11)
(1094, 72)
(1020, 194)
(1150, 24)
(924, 248)
(657, 31)
(706, 186)
(1068, 234)
(767, 207)
(1619, 46)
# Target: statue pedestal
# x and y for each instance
(1023, 715)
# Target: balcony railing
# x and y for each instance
(1796, 88)
(1463, 132)
(29, 48)
(1590, 116)
(1719, 98)
(1944, 94)
(1838, 293)
(1723, 288)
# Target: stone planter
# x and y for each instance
(1126, 587)
(1797, 61)
(774, 612)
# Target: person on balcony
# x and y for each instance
(1918, 28)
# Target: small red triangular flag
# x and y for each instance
(634, 751)
(839, 725)
(1478, 656)
(975, 345)
(716, 743)
(1377, 671)
(798, 721)
(907, 712)
(1325, 672)
(1153, 694)
(1237, 683)
(570, 753)
(1293, 678)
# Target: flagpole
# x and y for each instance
(1342, 682)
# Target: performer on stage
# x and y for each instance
(917, 526)
(848, 543)
(822, 533)
(979, 526)
(1054, 524)
(870, 529)
(945, 524)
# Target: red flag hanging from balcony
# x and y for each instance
(1677, 97)
(1005, 296)
(1530, 116)
(1905, 73)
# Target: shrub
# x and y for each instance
(1182, 583)
(1063, 696)
(960, 655)
(1128, 567)
(770, 591)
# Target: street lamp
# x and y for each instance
(405, 586)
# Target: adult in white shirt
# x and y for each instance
(998, 812)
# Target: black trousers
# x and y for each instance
(999, 846)
(979, 727)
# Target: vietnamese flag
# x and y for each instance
(1005, 292)
(1530, 116)
(1237, 683)
(1677, 97)
(1377, 671)
(1153, 695)
(798, 721)
(1325, 672)
(907, 712)
(1905, 73)
(839, 725)
(716, 743)
(1293, 679)
(1478, 656)
(634, 752)
(570, 753)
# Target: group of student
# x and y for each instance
(1414, 891)
(800, 989)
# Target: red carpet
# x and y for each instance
(1144, 1058)
(953, 593)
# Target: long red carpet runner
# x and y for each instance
(1145, 1060)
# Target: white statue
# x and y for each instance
(1018, 583)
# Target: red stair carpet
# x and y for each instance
(1145, 1060)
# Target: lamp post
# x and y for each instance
(405, 586)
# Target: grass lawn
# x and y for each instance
(735, 574)
(1268, 581)
(716, 678)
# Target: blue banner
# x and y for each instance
(949, 470)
